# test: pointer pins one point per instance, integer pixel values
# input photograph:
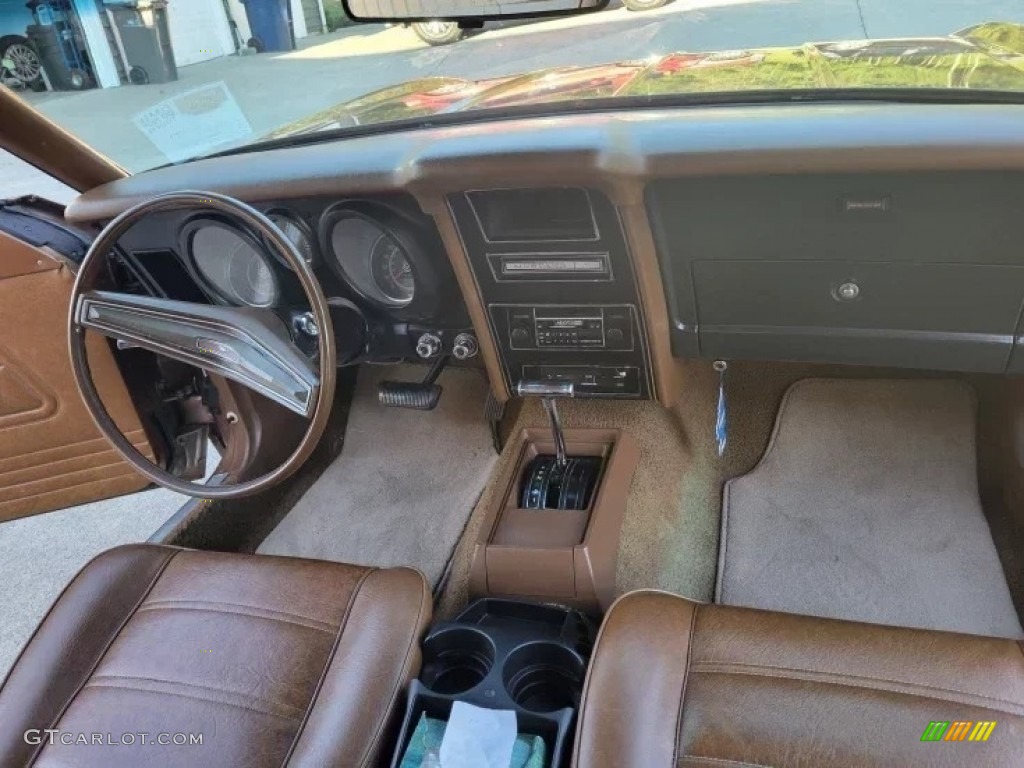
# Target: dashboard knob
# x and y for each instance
(615, 335)
(847, 291)
(521, 336)
(465, 346)
(428, 345)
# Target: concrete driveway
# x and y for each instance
(275, 89)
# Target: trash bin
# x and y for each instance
(143, 39)
(271, 24)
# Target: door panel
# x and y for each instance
(51, 454)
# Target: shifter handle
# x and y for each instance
(548, 391)
(527, 388)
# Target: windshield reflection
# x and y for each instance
(224, 94)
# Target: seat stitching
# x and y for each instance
(197, 686)
(291, 614)
(327, 666)
(755, 670)
(682, 693)
(197, 698)
(394, 693)
(103, 652)
(892, 680)
(725, 761)
(202, 605)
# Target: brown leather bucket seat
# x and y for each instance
(273, 661)
(675, 684)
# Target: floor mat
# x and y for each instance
(865, 506)
(404, 484)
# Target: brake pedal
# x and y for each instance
(409, 394)
(422, 396)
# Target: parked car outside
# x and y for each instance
(438, 32)
(14, 46)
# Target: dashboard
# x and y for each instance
(605, 248)
(379, 260)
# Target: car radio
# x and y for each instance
(554, 275)
(569, 331)
(569, 327)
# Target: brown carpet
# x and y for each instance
(865, 506)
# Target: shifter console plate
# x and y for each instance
(546, 485)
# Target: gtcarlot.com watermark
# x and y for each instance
(51, 736)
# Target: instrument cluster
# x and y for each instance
(378, 254)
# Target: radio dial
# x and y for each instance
(520, 336)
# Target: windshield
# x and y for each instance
(156, 82)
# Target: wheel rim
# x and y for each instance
(26, 63)
(437, 28)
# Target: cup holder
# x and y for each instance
(543, 677)
(456, 659)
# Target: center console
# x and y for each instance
(549, 551)
(554, 274)
(500, 654)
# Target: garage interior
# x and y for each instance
(80, 44)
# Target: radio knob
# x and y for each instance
(520, 336)
(615, 335)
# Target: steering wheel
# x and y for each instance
(248, 345)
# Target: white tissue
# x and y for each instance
(478, 738)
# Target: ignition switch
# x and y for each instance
(305, 332)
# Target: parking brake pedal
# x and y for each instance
(422, 396)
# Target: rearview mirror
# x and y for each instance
(465, 10)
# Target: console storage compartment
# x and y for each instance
(503, 654)
(567, 555)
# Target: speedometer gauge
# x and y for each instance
(370, 258)
(391, 271)
(296, 231)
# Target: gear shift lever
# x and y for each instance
(548, 391)
(559, 481)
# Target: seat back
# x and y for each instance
(231, 659)
(674, 683)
